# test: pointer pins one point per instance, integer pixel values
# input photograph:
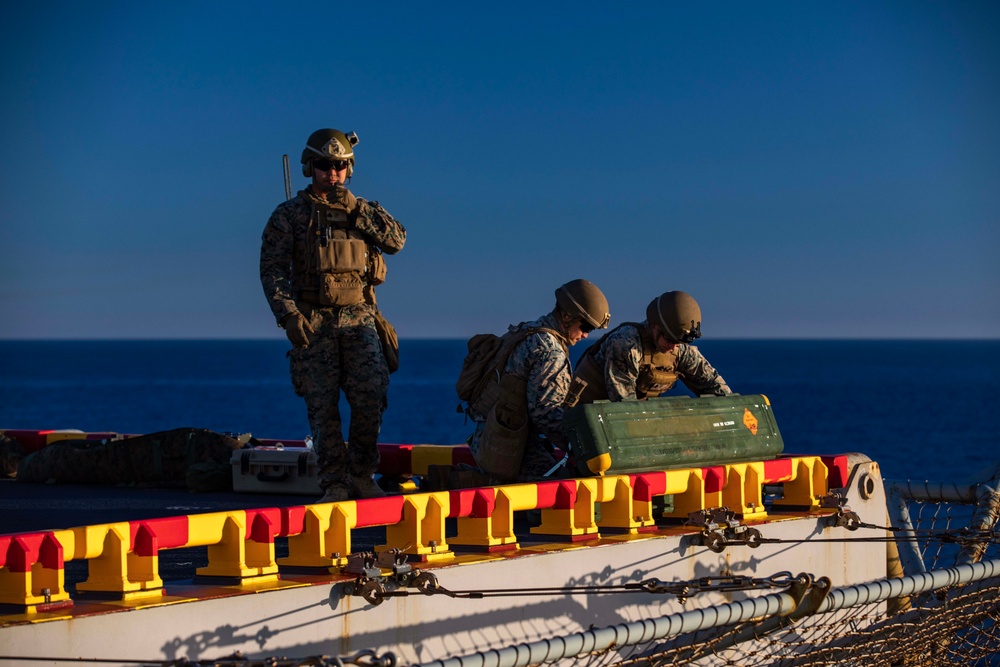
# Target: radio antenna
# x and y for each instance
(288, 177)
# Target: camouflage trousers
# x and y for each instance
(343, 355)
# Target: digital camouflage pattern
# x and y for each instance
(542, 361)
(162, 459)
(284, 238)
(620, 355)
(344, 353)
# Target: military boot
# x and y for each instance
(335, 494)
(436, 478)
(468, 479)
(365, 487)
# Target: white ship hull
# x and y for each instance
(303, 615)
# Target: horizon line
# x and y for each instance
(463, 339)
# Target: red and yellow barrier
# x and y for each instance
(123, 557)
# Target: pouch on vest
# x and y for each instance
(590, 374)
(344, 292)
(505, 434)
(341, 255)
(378, 269)
(654, 380)
(576, 388)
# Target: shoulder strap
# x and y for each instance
(515, 338)
(648, 345)
(559, 336)
(643, 335)
(512, 339)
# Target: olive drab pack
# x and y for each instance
(389, 341)
(479, 381)
(387, 337)
(657, 370)
(499, 399)
(505, 433)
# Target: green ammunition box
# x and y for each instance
(672, 432)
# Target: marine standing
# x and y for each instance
(540, 368)
(320, 259)
(645, 359)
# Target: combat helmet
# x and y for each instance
(583, 299)
(677, 315)
(329, 144)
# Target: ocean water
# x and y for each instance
(923, 409)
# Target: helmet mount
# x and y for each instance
(677, 315)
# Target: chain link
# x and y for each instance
(366, 658)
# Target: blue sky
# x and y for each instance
(804, 169)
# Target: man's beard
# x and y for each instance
(327, 189)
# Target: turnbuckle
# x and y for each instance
(720, 527)
(721, 584)
(374, 586)
(845, 518)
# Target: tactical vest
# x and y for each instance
(338, 264)
(657, 370)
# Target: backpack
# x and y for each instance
(485, 361)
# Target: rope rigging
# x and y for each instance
(426, 584)
(721, 530)
(366, 658)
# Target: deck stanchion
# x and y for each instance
(571, 516)
(29, 565)
(320, 535)
(624, 508)
(808, 485)
(421, 533)
(107, 548)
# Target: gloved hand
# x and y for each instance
(344, 197)
(297, 329)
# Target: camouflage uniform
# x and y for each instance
(620, 354)
(543, 362)
(163, 458)
(344, 353)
